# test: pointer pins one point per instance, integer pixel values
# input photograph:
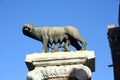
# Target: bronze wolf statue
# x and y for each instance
(49, 35)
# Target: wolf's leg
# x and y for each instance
(45, 45)
(83, 42)
(75, 44)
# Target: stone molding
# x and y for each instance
(79, 72)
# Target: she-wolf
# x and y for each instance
(49, 35)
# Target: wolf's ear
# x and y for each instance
(32, 25)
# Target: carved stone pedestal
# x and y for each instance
(61, 65)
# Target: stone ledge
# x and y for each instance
(59, 55)
(86, 58)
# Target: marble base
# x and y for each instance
(77, 65)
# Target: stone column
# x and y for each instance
(77, 65)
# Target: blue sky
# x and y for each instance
(91, 17)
